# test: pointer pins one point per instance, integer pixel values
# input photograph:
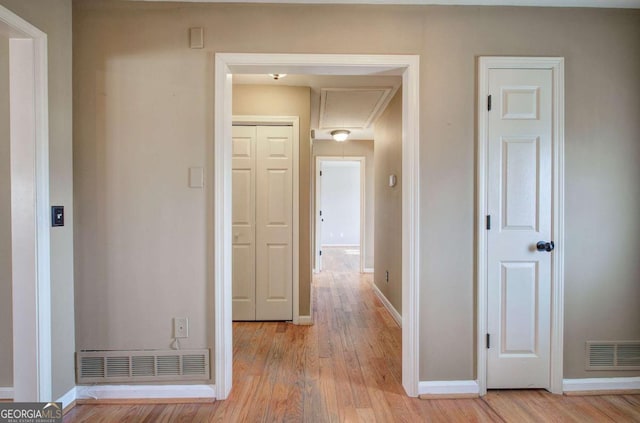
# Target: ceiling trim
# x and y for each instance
(624, 4)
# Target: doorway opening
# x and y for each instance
(29, 170)
(340, 207)
(227, 64)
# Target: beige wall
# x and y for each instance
(144, 113)
(287, 101)
(388, 202)
(6, 324)
(353, 148)
(54, 18)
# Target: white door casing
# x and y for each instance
(519, 206)
(520, 179)
(31, 279)
(319, 217)
(243, 221)
(274, 219)
(226, 64)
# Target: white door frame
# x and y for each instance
(294, 122)
(337, 64)
(556, 65)
(318, 205)
(32, 371)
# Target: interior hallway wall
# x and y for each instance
(268, 100)
(134, 140)
(388, 202)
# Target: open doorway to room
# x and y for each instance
(340, 213)
(24, 212)
(325, 65)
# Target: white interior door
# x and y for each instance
(243, 220)
(519, 189)
(274, 223)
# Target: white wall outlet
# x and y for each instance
(180, 327)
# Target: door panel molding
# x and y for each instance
(556, 65)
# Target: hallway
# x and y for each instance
(347, 368)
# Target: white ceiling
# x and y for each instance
(628, 4)
(350, 102)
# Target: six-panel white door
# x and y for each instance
(243, 218)
(263, 201)
(520, 205)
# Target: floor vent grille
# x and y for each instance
(142, 366)
(620, 355)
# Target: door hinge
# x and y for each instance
(488, 222)
(320, 173)
(488, 341)
(320, 253)
(489, 103)
(320, 212)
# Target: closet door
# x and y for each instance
(274, 219)
(243, 220)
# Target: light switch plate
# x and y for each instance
(57, 215)
(196, 177)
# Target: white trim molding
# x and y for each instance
(408, 67)
(387, 304)
(305, 320)
(69, 398)
(623, 4)
(601, 384)
(556, 65)
(367, 270)
(145, 392)
(6, 393)
(449, 388)
(29, 75)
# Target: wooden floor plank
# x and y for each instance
(347, 368)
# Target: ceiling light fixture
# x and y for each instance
(340, 134)
(277, 76)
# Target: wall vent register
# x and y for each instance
(142, 366)
(621, 355)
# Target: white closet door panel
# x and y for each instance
(243, 221)
(519, 202)
(274, 219)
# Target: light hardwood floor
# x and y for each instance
(346, 368)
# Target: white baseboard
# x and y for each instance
(6, 393)
(118, 392)
(601, 384)
(68, 398)
(340, 245)
(449, 387)
(367, 270)
(392, 310)
(305, 320)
